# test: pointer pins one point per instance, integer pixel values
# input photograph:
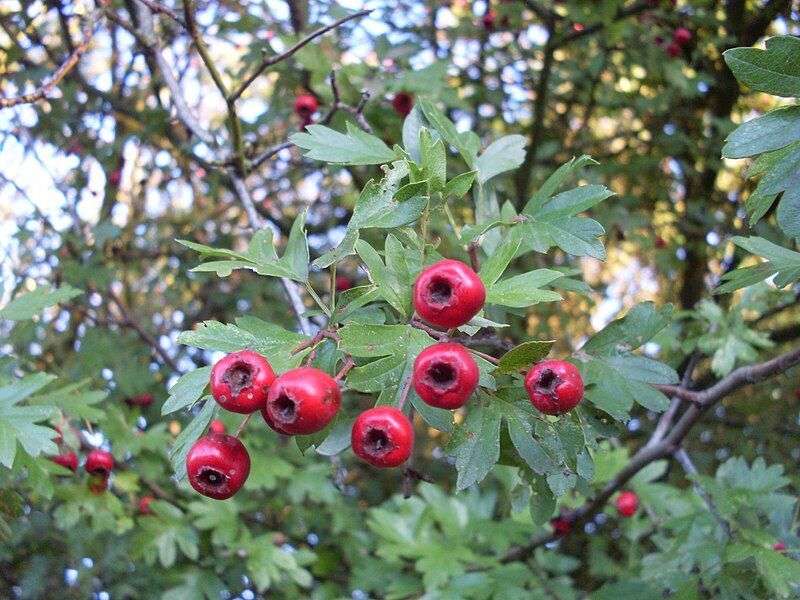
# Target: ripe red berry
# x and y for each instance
(383, 437)
(674, 50)
(144, 505)
(99, 462)
(217, 426)
(682, 36)
(68, 460)
(343, 283)
(306, 105)
(779, 547)
(488, 20)
(144, 400)
(240, 382)
(114, 178)
(402, 103)
(302, 401)
(555, 387)
(660, 243)
(268, 420)
(445, 375)
(448, 294)
(217, 465)
(627, 503)
(561, 526)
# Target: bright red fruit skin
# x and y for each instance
(217, 426)
(682, 36)
(555, 387)
(343, 283)
(306, 105)
(561, 526)
(144, 505)
(402, 103)
(448, 294)
(217, 465)
(445, 376)
(626, 504)
(99, 462)
(240, 382)
(144, 400)
(68, 460)
(268, 420)
(383, 437)
(302, 401)
(779, 547)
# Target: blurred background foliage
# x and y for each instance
(98, 181)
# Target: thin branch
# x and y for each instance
(686, 462)
(62, 71)
(160, 8)
(272, 60)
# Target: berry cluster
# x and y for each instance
(99, 465)
(305, 400)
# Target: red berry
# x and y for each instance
(660, 243)
(144, 505)
(68, 460)
(555, 387)
(268, 420)
(448, 294)
(143, 400)
(779, 547)
(674, 50)
(99, 462)
(217, 465)
(306, 105)
(383, 437)
(240, 382)
(114, 178)
(402, 103)
(98, 484)
(561, 526)
(343, 283)
(682, 36)
(488, 20)
(445, 375)
(302, 401)
(627, 503)
(217, 426)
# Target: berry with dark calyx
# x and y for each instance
(561, 526)
(448, 294)
(627, 503)
(217, 426)
(306, 105)
(144, 505)
(240, 382)
(555, 387)
(100, 463)
(383, 437)
(268, 420)
(217, 465)
(302, 401)
(445, 376)
(402, 103)
(682, 36)
(674, 50)
(68, 460)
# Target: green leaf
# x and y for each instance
(555, 180)
(639, 325)
(75, 400)
(774, 70)
(780, 572)
(502, 155)
(476, 445)
(26, 306)
(434, 160)
(446, 129)
(260, 255)
(459, 185)
(187, 390)
(497, 262)
(338, 438)
(356, 147)
(574, 235)
(271, 341)
(18, 423)
(524, 290)
(523, 356)
(769, 132)
(190, 434)
(781, 262)
(543, 502)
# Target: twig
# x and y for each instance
(60, 73)
(160, 8)
(686, 462)
(242, 425)
(345, 369)
(404, 393)
(272, 60)
(473, 256)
